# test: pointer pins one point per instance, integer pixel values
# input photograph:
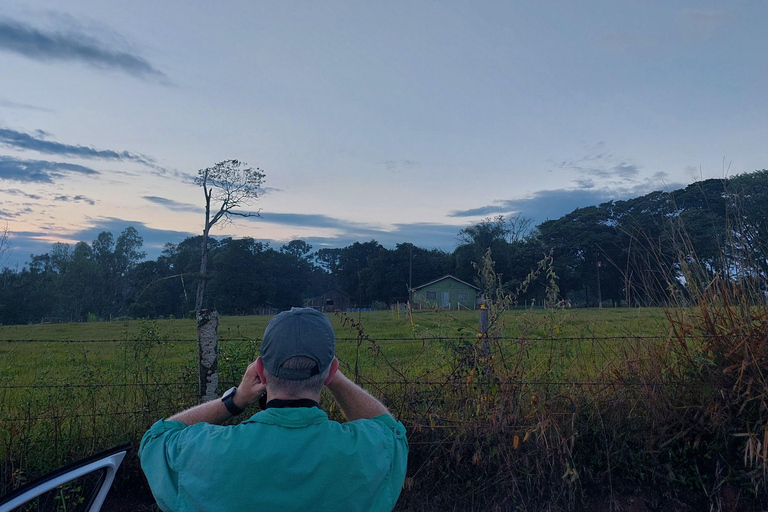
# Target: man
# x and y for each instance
(289, 456)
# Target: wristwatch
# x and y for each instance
(229, 403)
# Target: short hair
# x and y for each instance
(295, 388)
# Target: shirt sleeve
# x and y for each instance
(399, 454)
(160, 453)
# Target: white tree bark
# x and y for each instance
(208, 354)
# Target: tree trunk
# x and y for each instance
(208, 354)
(204, 250)
(200, 296)
(207, 321)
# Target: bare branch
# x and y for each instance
(232, 185)
(5, 244)
(257, 213)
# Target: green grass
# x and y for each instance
(573, 344)
(378, 324)
(34, 354)
(560, 343)
(121, 366)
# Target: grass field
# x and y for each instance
(69, 390)
(378, 324)
(35, 354)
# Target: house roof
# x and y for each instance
(446, 277)
(335, 290)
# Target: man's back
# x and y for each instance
(290, 456)
(279, 459)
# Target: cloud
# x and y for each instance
(599, 175)
(26, 243)
(20, 193)
(19, 213)
(8, 215)
(694, 172)
(598, 162)
(625, 171)
(270, 190)
(173, 205)
(553, 204)
(305, 220)
(38, 171)
(428, 235)
(26, 141)
(398, 166)
(75, 199)
(154, 239)
(12, 104)
(548, 204)
(39, 45)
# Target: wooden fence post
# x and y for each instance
(483, 319)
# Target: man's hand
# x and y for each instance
(248, 392)
(250, 389)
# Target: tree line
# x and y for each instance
(621, 253)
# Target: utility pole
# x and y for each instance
(410, 282)
(410, 271)
(599, 294)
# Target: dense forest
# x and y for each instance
(620, 253)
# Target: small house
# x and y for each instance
(330, 301)
(446, 292)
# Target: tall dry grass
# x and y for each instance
(674, 424)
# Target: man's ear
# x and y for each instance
(334, 369)
(260, 370)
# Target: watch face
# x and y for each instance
(228, 399)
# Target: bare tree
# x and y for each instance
(518, 227)
(230, 185)
(5, 244)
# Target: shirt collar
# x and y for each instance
(298, 402)
(292, 417)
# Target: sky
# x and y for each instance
(400, 121)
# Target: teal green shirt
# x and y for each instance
(277, 460)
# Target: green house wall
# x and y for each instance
(450, 286)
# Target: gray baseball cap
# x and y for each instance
(299, 332)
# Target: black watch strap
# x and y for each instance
(229, 402)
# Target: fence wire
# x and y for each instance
(63, 399)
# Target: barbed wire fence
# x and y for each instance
(99, 393)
